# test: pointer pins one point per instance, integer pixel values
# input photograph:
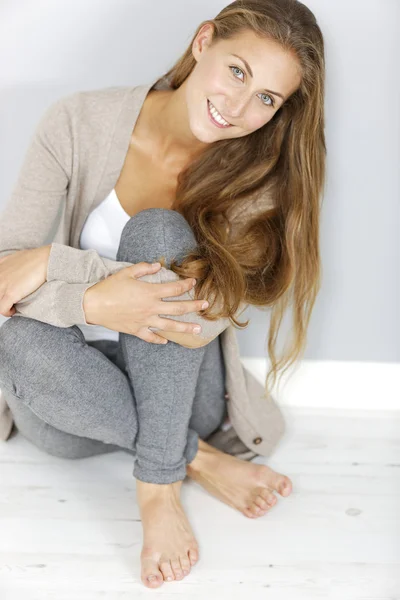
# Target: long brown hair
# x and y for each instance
(253, 202)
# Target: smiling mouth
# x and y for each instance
(214, 118)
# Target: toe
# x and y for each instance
(193, 556)
(166, 570)
(269, 497)
(261, 503)
(153, 581)
(276, 481)
(151, 575)
(185, 564)
(285, 486)
(254, 509)
(248, 513)
(177, 569)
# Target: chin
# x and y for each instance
(202, 135)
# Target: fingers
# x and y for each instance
(143, 268)
(179, 326)
(182, 307)
(174, 288)
(179, 307)
(148, 336)
(161, 290)
(6, 309)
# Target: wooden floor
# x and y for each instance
(70, 530)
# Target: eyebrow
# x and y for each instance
(251, 74)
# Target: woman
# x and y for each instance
(235, 145)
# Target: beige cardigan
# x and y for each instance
(72, 163)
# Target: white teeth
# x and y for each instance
(217, 116)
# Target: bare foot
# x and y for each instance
(243, 485)
(169, 546)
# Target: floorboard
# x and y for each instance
(70, 530)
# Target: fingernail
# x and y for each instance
(193, 281)
(197, 329)
(204, 305)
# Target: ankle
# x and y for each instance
(206, 454)
(147, 490)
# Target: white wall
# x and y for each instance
(49, 48)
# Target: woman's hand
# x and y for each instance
(123, 303)
(21, 274)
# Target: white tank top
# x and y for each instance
(102, 232)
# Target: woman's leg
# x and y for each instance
(72, 387)
(208, 406)
(42, 434)
(163, 378)
(52, 440)
(76, 390)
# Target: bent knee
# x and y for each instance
(23, 332)
(19, 328)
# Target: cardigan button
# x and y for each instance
(257, 440)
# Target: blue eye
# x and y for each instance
(236, 68)
(272, 103)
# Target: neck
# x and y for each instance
(164, 124)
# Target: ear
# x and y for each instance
(202, 40)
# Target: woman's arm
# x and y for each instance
(21, 273)
(32, 210)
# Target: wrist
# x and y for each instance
(89, 305)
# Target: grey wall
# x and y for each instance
(49, 48)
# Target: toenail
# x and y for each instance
(152, 577)
(169, 578)
(185, 572)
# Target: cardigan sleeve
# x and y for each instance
(32, 209)
(31, 213)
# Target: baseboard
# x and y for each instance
(335, 384)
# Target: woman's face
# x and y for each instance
(246, 96)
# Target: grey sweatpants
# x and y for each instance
(74, 398)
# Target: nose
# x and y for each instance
(235, 108)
